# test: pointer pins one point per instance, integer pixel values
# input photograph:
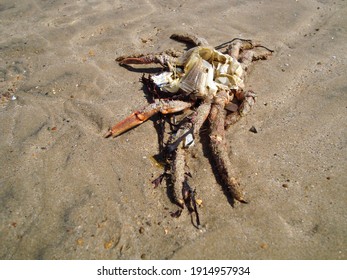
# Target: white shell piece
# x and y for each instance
(205, 71)
(210, 84)
(188, 141)
(162, 78)
(166, 82)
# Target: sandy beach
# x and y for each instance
(68, 193)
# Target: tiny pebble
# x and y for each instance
(141, 230)
(253, 129)
(264, 246)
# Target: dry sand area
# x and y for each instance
(68, 193)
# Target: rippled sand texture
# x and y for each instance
(68, 193)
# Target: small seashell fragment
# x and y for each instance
(189, 140)
(80, 241)
(108, 244)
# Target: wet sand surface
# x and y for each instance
(68, 193)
